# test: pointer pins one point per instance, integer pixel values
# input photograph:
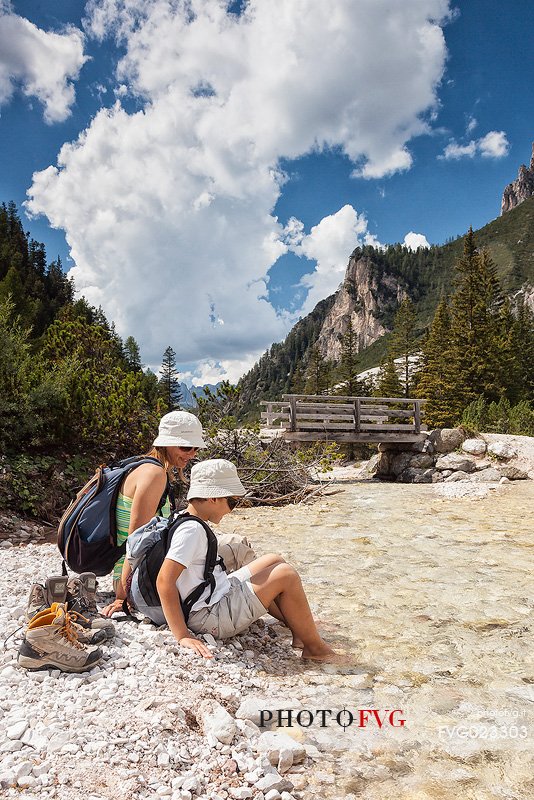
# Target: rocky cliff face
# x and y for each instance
(520, 189)
(362, 297)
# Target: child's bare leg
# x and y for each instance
(258, 565)
(281, 582)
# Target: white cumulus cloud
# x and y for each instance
(493, 145)
(329, 244)
(43, 64)
(169, 211)
(415, 240)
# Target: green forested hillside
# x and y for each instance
(37, 290)
(72, 394)
(276, 371)
(427, 275)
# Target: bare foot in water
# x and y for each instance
(325, 654)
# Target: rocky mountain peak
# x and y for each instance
(365, 292)
(520, 189)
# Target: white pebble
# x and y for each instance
(23, 769)
(16, 730)
(241, 793)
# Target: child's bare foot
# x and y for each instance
(324, 653)
(297, 644)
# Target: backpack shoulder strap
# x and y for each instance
(212, 560)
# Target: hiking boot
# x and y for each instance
(51, 643)
(82, 600)
(37, 600)
(84, 635)
(41, 597)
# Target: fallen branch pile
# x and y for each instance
(273, 473)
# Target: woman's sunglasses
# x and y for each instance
(232, 502)
(187, 449)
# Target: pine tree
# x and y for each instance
(404, 340)
(388, 384)
(169, 385)
(316, 372)
(132, 354)
(475, 326)
(298, 380)
(436, 380)
(522, 351)
(348, 366)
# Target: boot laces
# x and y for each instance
(79, 629)
(68, 629)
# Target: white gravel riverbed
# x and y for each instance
(138, 724)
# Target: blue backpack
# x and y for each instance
(87, 533)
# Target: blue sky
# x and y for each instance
(211, 224)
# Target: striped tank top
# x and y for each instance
(122, 519)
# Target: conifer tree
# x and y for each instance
(475, 326)
(388, 384)
(169, 385)
(436, 380)
(522, 351)
(132, 354)
(316, 372)
(298, 380)
(348, 367)
(404, 340)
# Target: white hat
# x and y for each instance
(215, 477)
(179, 429)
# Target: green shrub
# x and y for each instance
(499, 417)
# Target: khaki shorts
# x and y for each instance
(234, 613)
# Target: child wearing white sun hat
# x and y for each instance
(266, 585)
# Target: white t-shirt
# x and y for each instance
(189, 547)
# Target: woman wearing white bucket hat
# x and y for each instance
(266, 585)
(179, 437)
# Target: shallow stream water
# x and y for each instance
(433, 597)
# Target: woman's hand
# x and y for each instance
(116, 605)
(195, 644)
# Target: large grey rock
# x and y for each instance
(489, 475)
(445, 440)
(427, 476)
(483, 463)
(408, 475)
(476, 447)
(502, 450)
(456, 476)
(369, 469)
(422, 461)
(400, 462)
(455, 461)
(415, 475)
(384, 463)
(512, 473)
(424, 446)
